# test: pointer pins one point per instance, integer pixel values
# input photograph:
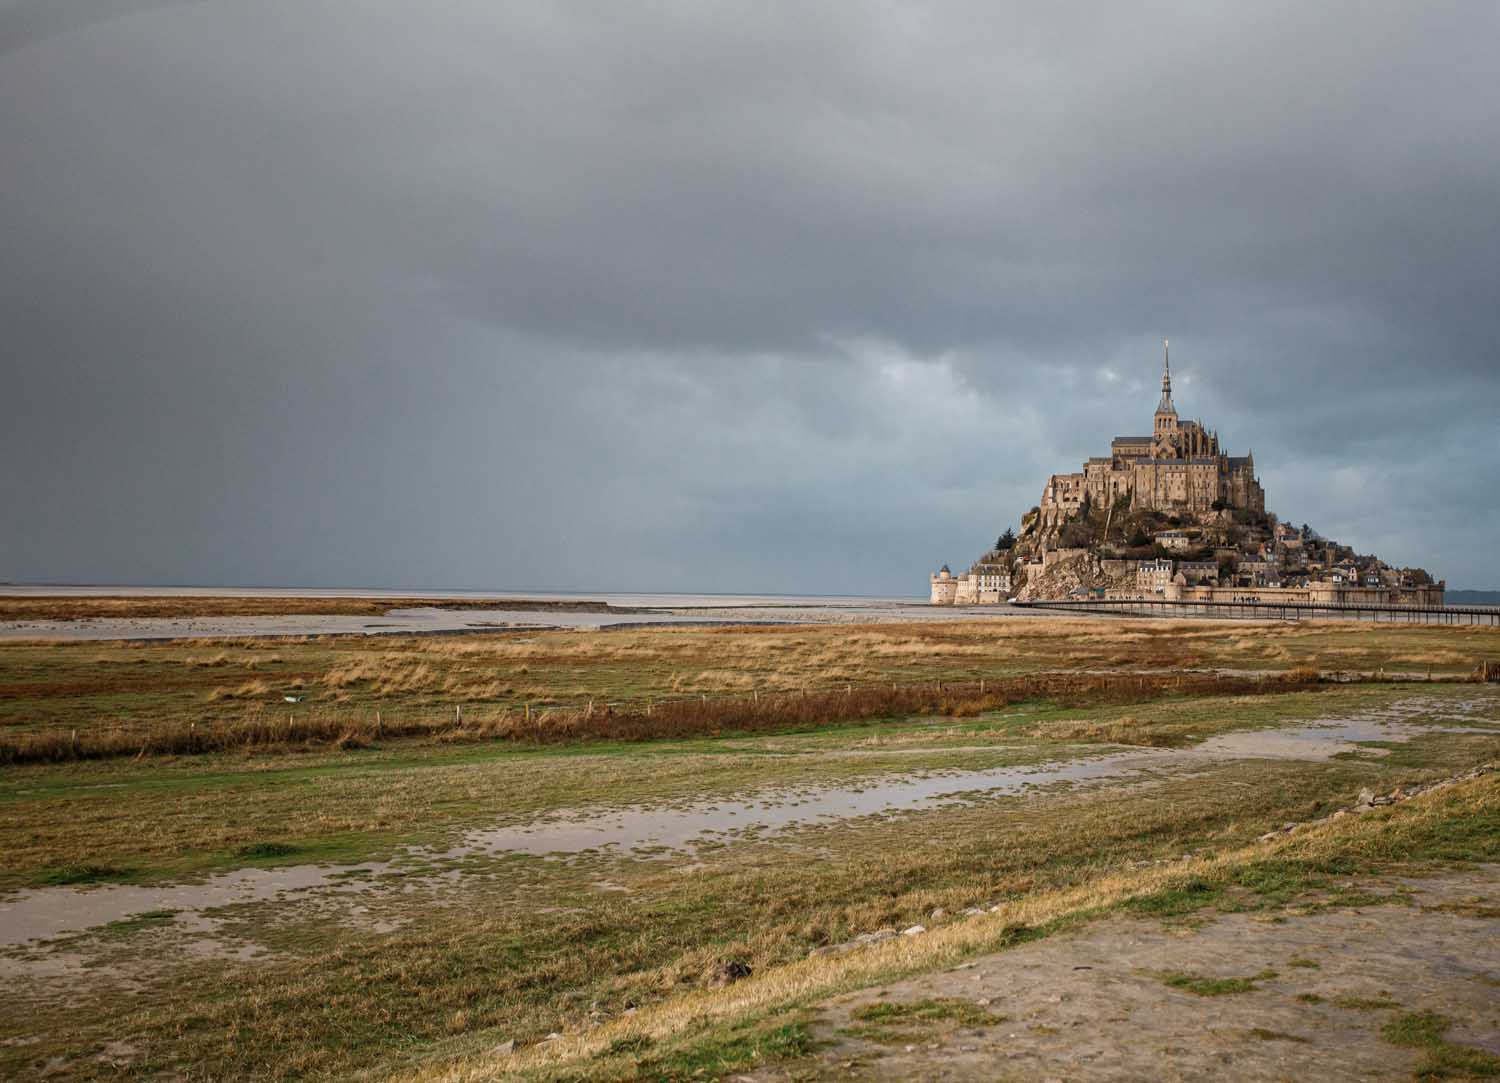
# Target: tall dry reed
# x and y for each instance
(668, 718)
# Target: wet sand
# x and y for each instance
(634, 611)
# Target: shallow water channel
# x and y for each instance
(681, 828)
(632, 611)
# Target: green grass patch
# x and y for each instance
(1275, 1035)
(1452, 1061)
(637, 1044)
(734, 1049)
(923, 1011)
(150, 919)
(83, 874)
(1191, 895)
(1441, 1059)
(1278, 881)
(1202, 986)
(897, 1022)
(1270, 884)
(256, 851)
(1365, 1004)
(1413, 1030)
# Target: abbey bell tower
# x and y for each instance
(1166, 413)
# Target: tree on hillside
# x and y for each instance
(1006, 541)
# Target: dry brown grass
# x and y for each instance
(249, 690)
(136, 689)
(673, 718)
(1120, 731)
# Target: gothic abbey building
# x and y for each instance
(1171, 516)
(1179, 468)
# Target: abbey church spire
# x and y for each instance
(1165, 406)
(1166, 413)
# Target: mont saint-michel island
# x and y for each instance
(472, 474)
(1173, 516)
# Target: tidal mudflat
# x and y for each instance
(104, 614)
(440, 907)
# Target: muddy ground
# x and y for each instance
(1100, 1004)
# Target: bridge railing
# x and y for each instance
(1267, 610)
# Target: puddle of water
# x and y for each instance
(644, 827)
(63, 966)
(683, 827)
(47, 912)
(1318, 741)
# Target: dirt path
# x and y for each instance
(1096, 1005)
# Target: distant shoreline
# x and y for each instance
(616, 599)
(103, 613)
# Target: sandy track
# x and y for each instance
(1093, 1005)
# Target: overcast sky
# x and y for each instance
(779, 297)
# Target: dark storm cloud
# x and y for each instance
(801, 297)
(27, 22)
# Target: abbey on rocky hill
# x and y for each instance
(1172, 516)
(1179, 468)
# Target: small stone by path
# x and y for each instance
(1096, 1005)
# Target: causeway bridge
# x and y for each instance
(1253, 610)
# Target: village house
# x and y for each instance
(985, 584)
(1176, 540)
(1255, 573)
(1153, 576)
(1194, 572)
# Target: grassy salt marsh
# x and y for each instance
(137, 686)
(658, 962)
